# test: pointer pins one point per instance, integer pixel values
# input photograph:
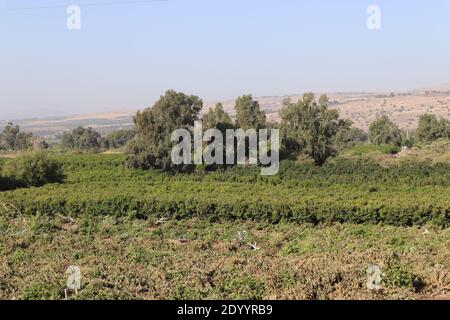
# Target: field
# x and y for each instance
(315, 231)
(123, 258)
(353, 191)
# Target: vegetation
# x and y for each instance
(354, 191)
(369, 149)
(140, 231)
(249, 114)
(12, 139)
(83, 139)
(217, 118)
(309, 127)
(119, 139)
(384, 131)
(348, 137)
(154, 126)
(431, 128)
(123, 258)
(34, 168)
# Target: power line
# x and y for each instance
(86, 4)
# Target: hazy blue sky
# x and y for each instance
(125, 56)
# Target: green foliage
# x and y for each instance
(12, 139)
(430, 128)
(217, 118)
(397, 275)
(309, 127)
(154, 126)
(365, 149)
(118, 139)
(243, 288)
(6, 183)
(34, 169)
(340, 191)
(348, 137)
(40, 144)
(249, 114)
(384, 131)
(81, 139)
(407, 138)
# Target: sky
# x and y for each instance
(126, 55)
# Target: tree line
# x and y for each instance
(308, 127)
(82, 139)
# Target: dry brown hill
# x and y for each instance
(362, 108)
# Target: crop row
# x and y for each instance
(100, 185)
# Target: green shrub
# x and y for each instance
(432, 128)
(81, 139)
(34, 169)
(398, 276)
(353, 191)
(384, 131)
(364, 149)
(6, 183)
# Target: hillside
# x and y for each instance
(404, 108)
(362, 108)
(104, 122)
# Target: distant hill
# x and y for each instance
(103, 122)
(360, 107)
(404, 108)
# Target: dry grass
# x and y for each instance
(436, 152)
(362, 108)
(194, 259)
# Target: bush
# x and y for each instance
(34, 169)
(81, 139)
(384, 131)
(430, 128)
(352, 191)
(118, 139)
(365, 149)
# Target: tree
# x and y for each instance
(13, 139)
(384, 131)
(23, 141)
(68, 140)
(217, 118)
(9, 135)
(309, 127)
(249, 114)
(430, 128)
(348, 136)
(81, 139)
(118, 139)
(154, 127)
